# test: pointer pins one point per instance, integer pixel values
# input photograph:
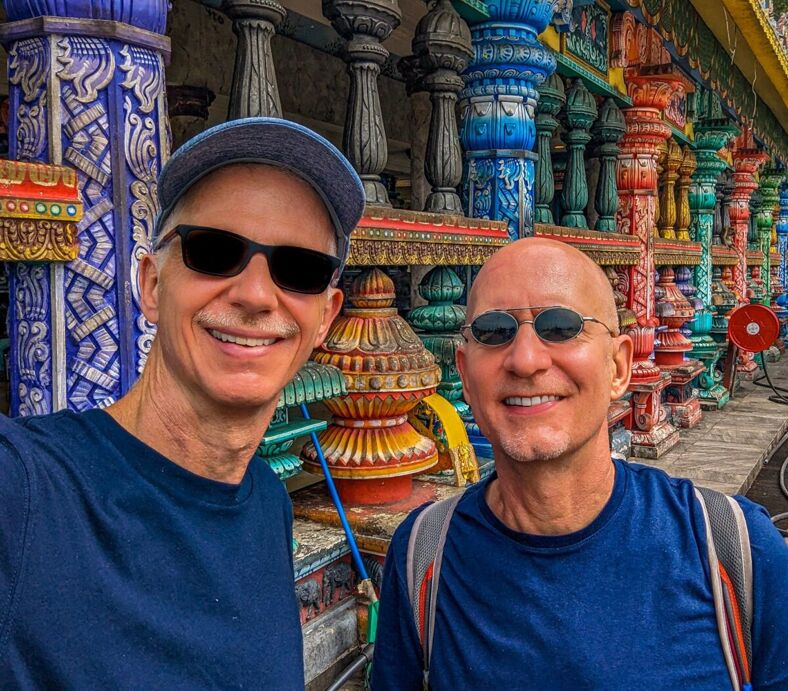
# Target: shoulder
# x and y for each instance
(764, 537)
(401, 538)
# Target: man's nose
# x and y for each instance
(527, 354)
(253, 290)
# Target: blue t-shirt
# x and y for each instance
(121, 570)
(624, 603)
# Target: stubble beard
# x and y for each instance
(521, 449)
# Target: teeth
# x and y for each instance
(526, 402)
(227, 338)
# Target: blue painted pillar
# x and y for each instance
(87, 90)
(497, 108)
(782, 233)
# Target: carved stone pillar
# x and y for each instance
(608, 130)
(551, 100)
(746, 161)
(782, 234)
(254, 91)
(365, 23)
(95, 102)
(443, 46)
(683, 215)
(497, 112)
(667, 199)
(580, 113)
(650, 90)
(711, 134)
(674, 311)
(770, 180)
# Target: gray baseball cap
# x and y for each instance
(275, 142)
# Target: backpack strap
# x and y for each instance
(730, 566)
(423, 566)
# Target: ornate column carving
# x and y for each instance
(254, 90)
(364, 24)
(683, 215)
(770, 180)
(551, 99)
(782, 233)
(608, 130)
(746, 161)
(712, 132)
(675, 311)
(497, 106)
(96, 104)
(443, 46)
(667, 199)
(579, 114)
(650, 89)
(778, 255)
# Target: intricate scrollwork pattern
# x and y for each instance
(31, 374)
(32, 349)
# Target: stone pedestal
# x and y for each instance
(652, 432)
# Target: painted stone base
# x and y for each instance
(330, 642)
(652, 432)
(374, 524)
(681, 396)
(747, 370)
(714, 398)
(685, 415)
(656, 442)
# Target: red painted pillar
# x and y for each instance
(746, 161)
(650, 89)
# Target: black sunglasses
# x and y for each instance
(222, 253)
(551, 324)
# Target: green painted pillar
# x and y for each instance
(608, 130)
(551, 99)
(770, 181)
(579, 115)
(711, 134)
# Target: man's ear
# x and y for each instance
(331, 309)
(459, 360)
(621, 365)
(149, 287)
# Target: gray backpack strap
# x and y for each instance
(423, 566)
(730, 566)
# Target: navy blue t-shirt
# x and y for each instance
(624, 603)
(121, 570)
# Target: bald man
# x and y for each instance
(567, 569)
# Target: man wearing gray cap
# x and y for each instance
(139, 546)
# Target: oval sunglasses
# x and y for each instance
(551, 324)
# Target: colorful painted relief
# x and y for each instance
(39, 210)
(588, 40)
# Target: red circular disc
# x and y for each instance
(753, 327)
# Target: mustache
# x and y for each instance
(269, 324)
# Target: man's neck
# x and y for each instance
(211, 441)
(554, 497)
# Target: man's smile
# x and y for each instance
(247, 341)
(530, 401)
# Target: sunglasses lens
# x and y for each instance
(558, 324)
(494, 328)
(301, 270)
(213, 252)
